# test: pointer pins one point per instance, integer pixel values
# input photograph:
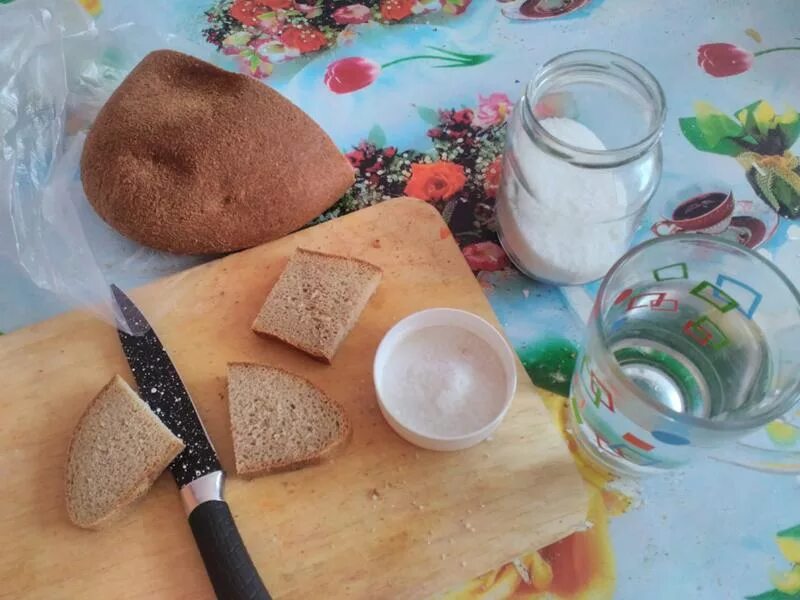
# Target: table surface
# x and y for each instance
(713, 524)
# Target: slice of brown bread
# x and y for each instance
(279, 421)
(118, 449)
(317, 301)
(190, 158)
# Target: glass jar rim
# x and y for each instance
(742, 425)
(607, 61)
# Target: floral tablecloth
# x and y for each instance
(418, 92)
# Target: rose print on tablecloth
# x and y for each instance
(458, 175)
(493, 109)
(485, 256)
(725, 60)
(440, 180)
(760, 140)
(262, 33)
(353, 73)
(352, 14)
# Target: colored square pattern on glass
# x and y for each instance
(639, 443)
(706, 333)
(576, 412)
(705, 290)
(742, 291)
(600, 393)
(675, 271)
(655, 301)
(603, 444)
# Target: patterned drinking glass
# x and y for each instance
(693, 342)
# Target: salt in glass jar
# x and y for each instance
(582, 160)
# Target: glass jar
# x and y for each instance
(582, 160)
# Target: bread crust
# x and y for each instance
(190, 158)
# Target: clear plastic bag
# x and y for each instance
(57, 68)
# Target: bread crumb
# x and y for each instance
(463, 563)
(376, 243)
(444, 555)
(374, 494)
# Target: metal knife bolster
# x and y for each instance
(203, 489)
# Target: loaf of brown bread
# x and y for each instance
(190, 158)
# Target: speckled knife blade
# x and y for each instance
(161, 387)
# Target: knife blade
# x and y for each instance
(196, 470)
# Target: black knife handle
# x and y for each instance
(230, 569)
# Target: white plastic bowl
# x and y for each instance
(457, 319)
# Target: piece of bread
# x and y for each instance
(118, 449)
(317, 301)
(190, 158)
(279, 421)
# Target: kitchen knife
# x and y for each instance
(196, 469)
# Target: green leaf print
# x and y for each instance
(377, 136)
(428, 115)
(691, 130)
(716, 125)
(774, 595)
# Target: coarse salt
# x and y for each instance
(444, 382)
(569, 226)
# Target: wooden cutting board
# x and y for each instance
(382, 520)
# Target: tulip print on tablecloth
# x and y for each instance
(726, 60)
(262, 33)
(760, 140)
(353, 73)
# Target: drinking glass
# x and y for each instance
(693, 342)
